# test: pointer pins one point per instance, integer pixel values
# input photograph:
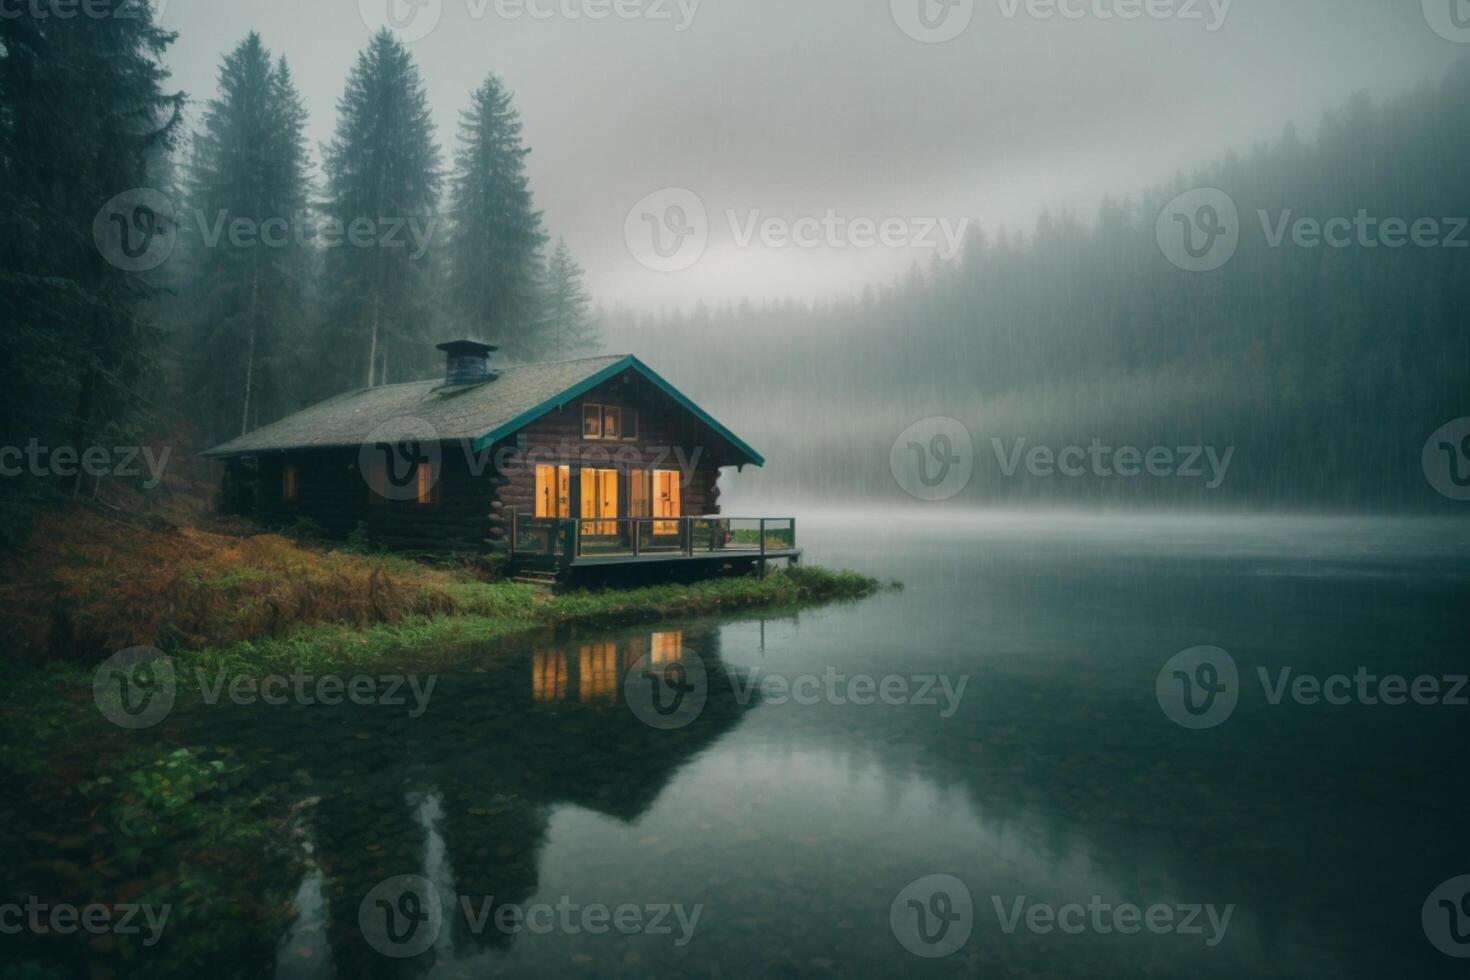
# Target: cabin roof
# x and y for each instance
(483, 413)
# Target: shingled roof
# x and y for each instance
(482, 413)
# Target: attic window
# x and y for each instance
(609, 422)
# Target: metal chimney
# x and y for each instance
(467, 362)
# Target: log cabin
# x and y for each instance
(579, 465)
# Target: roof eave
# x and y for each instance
(611, 371)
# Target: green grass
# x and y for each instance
(488, 611)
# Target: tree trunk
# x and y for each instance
(250, 349)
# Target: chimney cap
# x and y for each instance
(466, 347)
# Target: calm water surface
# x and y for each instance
(1054, 778)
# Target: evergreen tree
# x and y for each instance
(569, 327)
(383, 178)
(84, 118)
(246, 294)
(495, 251)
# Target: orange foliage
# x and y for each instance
(86, 585)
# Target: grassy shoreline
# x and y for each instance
(493, 611)
(87, 586)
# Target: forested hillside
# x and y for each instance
(1326, 367)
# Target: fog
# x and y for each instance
(788, 110)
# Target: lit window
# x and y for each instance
(428, 484)
(599, 499)
(609, 422)
(668, 648)
(597, 672)
(640, 493)
(666, 500)
(288, 481)
(553, 491)
(549, 676)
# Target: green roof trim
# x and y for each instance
(606, 374)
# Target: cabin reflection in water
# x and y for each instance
(600, 666)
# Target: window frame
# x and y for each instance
(599, 412)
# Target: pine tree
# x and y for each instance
(246, 296)
(569, 327)
(495, 250)
(383, 178)
(85, 118)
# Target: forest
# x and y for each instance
(1326, 368)
(174, 273)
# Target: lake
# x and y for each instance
(1000, 722)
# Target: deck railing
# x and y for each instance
(571, 538)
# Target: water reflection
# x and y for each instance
(462, 794)
(1058, 778)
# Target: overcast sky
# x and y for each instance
(787, 109)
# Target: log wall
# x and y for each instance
(477, 491)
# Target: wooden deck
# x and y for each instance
(568, 544)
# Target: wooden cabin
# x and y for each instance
(595, 462)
